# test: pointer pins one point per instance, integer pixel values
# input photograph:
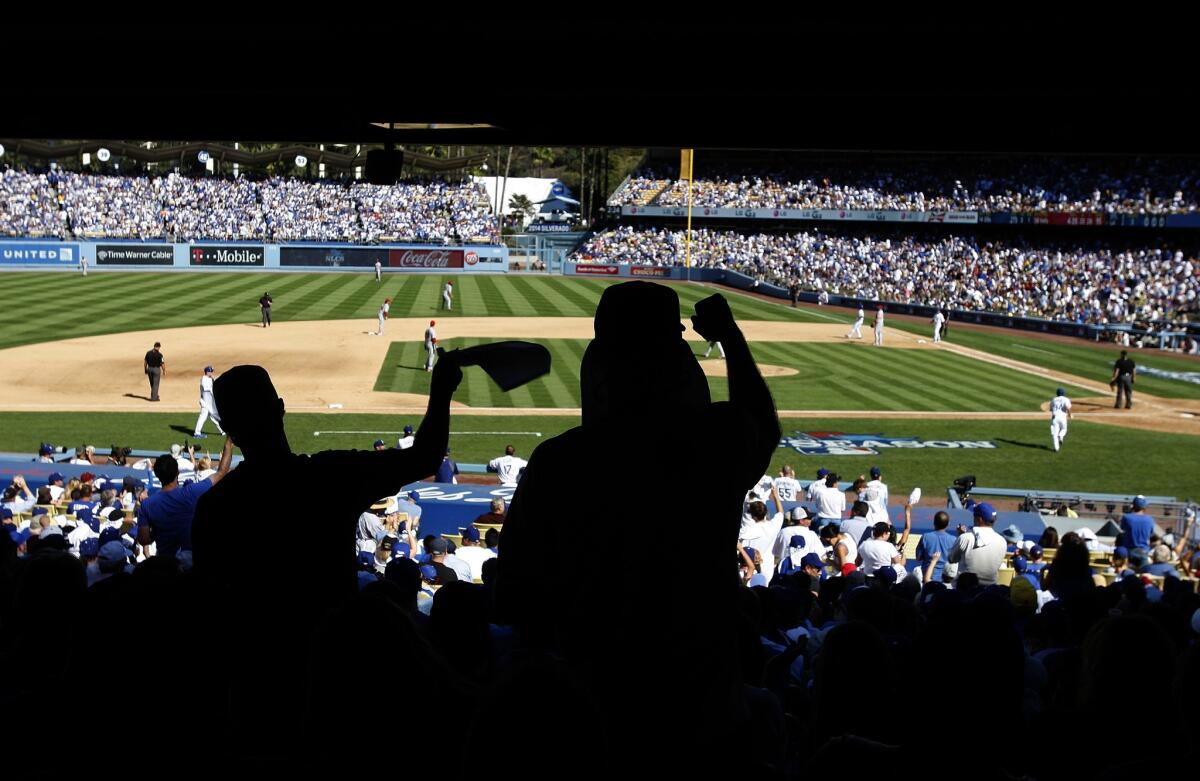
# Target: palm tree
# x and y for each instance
(520, 206)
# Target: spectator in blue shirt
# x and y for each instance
(1136, 528)
(447, 471)
(166, 517)
(1160, 563)
(937, 541)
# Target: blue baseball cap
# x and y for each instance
(811, 560)
(414, 495)
(207, 369)
(408, 429)
(429, 572)
(1139, 503)
(1062, 392)
(90, 547)
(797, 541)
(109, 535)
(5, 513)
(875, 471)
(470, 533)
(1035, 550)
(822, 472)
(886, 573)
(40, 511)
(379, 443)
(84, 514)
(749, 551)
(45, 449)
(1121, 551)
(55, 477)
(366, 558)
(985, 511)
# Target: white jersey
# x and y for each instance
(1059, 407)
(879, 320)
(404, 443)
(788, 489)
(430, 336)
(206, 392)
(508, 467)
(448, 290)
(938, 319)
(860, 316)
(814, 490)
(876, 497)
(831, 503)
(383, 310)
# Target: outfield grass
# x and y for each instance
(113, 302)
(1092, 460)
(832, 376)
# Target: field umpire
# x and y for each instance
(155, 367)
(1124, 370)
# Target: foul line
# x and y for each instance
(1035, 349)
(452, 433)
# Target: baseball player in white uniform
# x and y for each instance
(1060, 413)
(383, 315)
(406, 441)
(879, 327)
(507, 466)
(430, 345)
(939, 320)
(447, 296)
(378, 271)
(208, 405)
(856, 329)
(718, 346)
(83, 264)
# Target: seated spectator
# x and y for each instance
(493, 516)
(1160, 563)
(473, 552)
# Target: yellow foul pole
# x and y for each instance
(686, 161)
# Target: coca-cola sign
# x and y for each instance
(425, 258)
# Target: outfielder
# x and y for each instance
(83, 264)
(1060, 413)
(378, 271)
(430, 345)
(856, 329)
(447, 295)
(208, 406)
(939, 320)
(718, 346)
(879, 326)
(383, 315)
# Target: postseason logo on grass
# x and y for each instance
(836, 443)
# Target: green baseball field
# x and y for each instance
(974, 404)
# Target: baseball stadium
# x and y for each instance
(374, 414)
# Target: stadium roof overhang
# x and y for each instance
(1002, 84)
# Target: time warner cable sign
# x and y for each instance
(836, 443)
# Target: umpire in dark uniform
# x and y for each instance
(1124, 370)
(155, 367)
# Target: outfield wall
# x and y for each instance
(44, 255)
(740, 281)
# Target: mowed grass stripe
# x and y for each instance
(498, 303)
(540, 302)
(584, 300)
(903, 392)
(1020, 390)
(961, 382)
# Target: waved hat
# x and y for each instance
(429, 572)
(1013, 534)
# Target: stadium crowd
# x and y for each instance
(1076, 281)
(1148, 186)
(63, 204)
(545, 651)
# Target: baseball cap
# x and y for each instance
(408, 429)
(379, 443)
(886, 573)
(40, 511)
(366, 559)
(1139, 502)
(798, 514)
(90, 547)
(1061, 392)
(811, 560)
(470, 533)
(5, 513)
(87, 477)
(1035, 550)
(1121, 551)
(110, 535)
(985, 511)
(1019, 564)
(439, 545)
(797, 541)
(55, 477)
(429, 572)
(414, 495)
(433, 322)
(45, 449)
(207, 369)
(822, 472)
(387, 543)
(875, 471)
